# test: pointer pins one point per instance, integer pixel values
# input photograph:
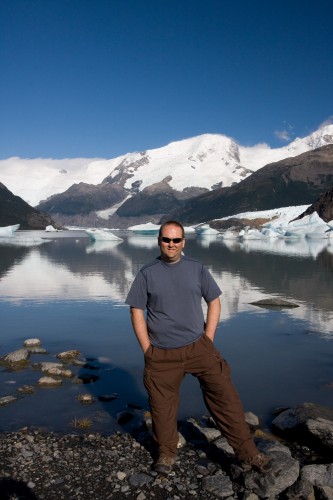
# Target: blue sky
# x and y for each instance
(100, 78)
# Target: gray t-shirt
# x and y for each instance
(172, 295)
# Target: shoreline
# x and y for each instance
(46, 465)
(40, 464)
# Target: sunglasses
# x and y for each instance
(168, 240)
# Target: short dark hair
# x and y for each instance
(172, 223)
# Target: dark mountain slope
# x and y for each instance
(83, 198)
(14, 210)
(323, 206)
(293, 181)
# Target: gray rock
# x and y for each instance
(222, 444)
(324, 492)
(270, 447)
(319, 475)
(294, 417)
(322, 429)
(32, 343)
(54, 369)
(139, 480)
(86, 399)
(49, 381)
(210, 433)
(26, 389)
(73, 353)
(6, 400)
(219, 485)
(302, 489)
(251, 419)
(47, 365)
(284, 473)
(274, 302)
(19, 357)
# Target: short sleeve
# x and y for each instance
(137, 296)
(209, 287)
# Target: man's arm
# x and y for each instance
(213, 317)
(140, 327)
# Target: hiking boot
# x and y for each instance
(164, 464)
(259, 462)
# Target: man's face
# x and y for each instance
(171, 251)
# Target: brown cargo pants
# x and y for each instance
(163, 374)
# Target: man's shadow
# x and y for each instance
(11, 488)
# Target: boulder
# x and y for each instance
(54, 369)
(322, 429)
(219, 485)
(73, 353)
(86, 399)
(49, 382)
(309, 423)
(302, 489)
(318, 475)
(284, 472)
(274, 302)
(17, 359)
(26, 389)
(32, 343)
(6, 400)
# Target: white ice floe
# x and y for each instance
(205, 229)
(153, 229)
(101, 235)
(283, 226)
(7, 231)
(148, 228)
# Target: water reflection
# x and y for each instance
(77, 270)
(102, 246)
(148, 241)
(70, 293)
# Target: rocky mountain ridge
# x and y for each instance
(188, 178)
(14, 210)
(292, 181)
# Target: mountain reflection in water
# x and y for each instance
(70, 293)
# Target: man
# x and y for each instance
(176, 340)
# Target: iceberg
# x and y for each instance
(9, 230)
(205, 229)
(153, 229)
(148, 228)
(310, 227)
(101, 234)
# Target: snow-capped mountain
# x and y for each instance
(207, 161)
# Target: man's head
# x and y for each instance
(171, 240)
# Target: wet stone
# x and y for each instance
(6, 400)
(32, 343)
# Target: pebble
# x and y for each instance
(53, 466)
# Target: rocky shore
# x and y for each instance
(35, 464)
(39, 465)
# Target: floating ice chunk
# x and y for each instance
(101, 235)
(231, 234)
(205, 229)
(148, 228)
(252, 234)
(9, 230)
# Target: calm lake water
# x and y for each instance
(69, 293)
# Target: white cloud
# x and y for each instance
(283, 135)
